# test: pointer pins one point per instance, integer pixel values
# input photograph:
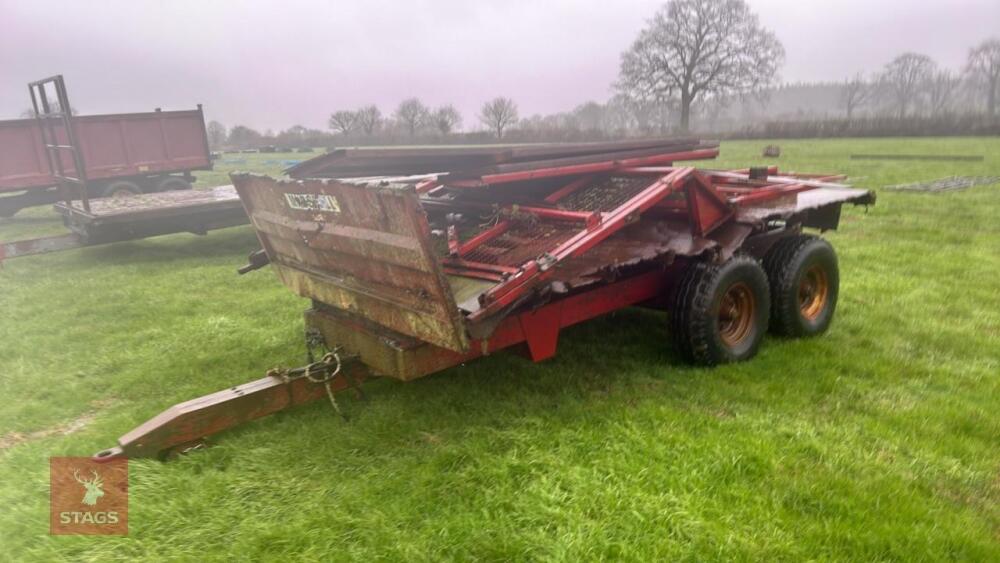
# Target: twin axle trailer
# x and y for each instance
(413, 274)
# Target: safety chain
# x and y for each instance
(322, 372)
(325, 380)
(314, 340)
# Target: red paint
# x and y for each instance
(483, 237)
(541, 330)
(557, 195)
(707, 208)
(113, 146)
(606, 166)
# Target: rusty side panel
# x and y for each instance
(364, 249)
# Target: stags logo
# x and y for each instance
(88, 497)
(92, 486)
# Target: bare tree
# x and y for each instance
(369, 119)
(244, 137)
(984, 66)
(413, 114)
(294, 136)
(905, 77)
(498, 114)
(343, 121)
(446, 119)
(855, 93)
(217, 134)
(639, 110)
(617, 118)
(695, 47)
(590, 116)
(941, 89)
(712, 108)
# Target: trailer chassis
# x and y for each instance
(360, 349)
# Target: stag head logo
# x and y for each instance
(94, 487)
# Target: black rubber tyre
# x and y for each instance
(805, 281)
(719, 313)
(121, 188)
(171, 183)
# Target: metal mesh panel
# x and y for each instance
(525, 240)
(605, 195)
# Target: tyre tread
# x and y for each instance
(690, 311)
(781, 264)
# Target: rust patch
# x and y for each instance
(372, 256)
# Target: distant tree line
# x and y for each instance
(702, 65)
(913, 84)
(869, 126)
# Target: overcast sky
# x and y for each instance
(278, 63)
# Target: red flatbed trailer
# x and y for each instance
(109, 155)
(120, 153)
(410, 276)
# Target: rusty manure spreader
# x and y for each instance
(417, 260)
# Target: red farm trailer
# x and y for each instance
(119, 154)
(503, 248)
(65, 159)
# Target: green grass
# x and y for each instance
(878, 441)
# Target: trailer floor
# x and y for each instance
(113, 220)
(154, 205)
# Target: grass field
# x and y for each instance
(879, 441)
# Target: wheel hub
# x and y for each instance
(814, 289)
(736, 314)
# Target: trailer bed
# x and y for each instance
(131, 218)
(152, 206)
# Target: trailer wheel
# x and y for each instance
(805, 281)
(719, 313)
(171, 183)
(121, 188)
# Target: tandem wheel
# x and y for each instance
(805, 281)
(719, 312)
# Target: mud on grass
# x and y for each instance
(877, 441)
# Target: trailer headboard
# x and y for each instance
(361, 248)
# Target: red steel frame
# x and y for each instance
(605, 166)
(711, 198)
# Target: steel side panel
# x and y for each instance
(22, 159)
(121, 145)
(364, 249)
(394, 355)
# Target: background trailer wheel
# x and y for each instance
(121, 188)
(719, 313)
(172, 183)
(805, 281)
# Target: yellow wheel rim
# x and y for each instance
(736, 314)
(814, 290)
